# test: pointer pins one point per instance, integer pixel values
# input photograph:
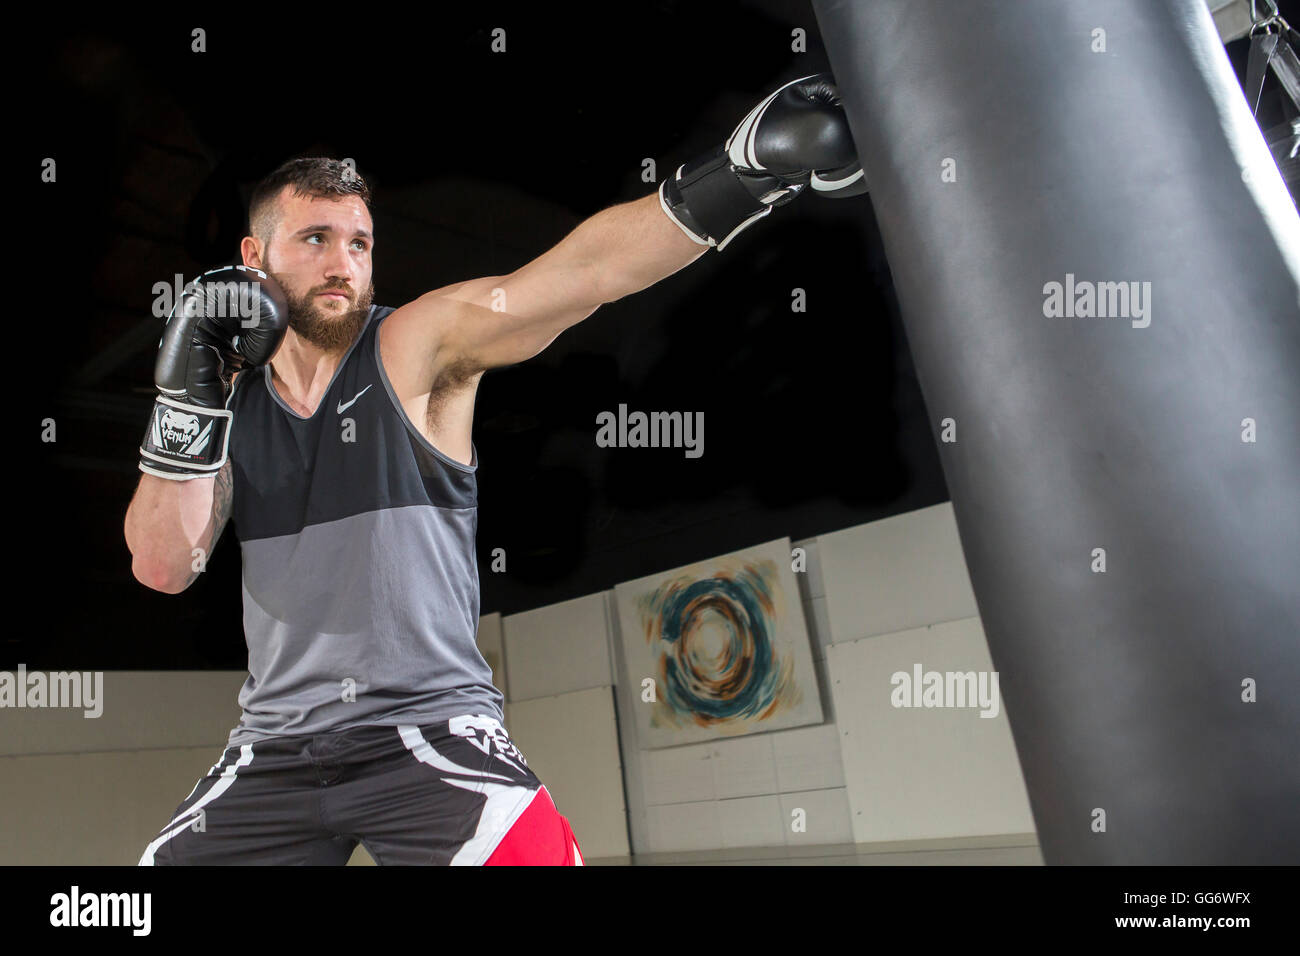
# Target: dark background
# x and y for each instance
(479, 162)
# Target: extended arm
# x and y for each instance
(794, 139)
(501, 320)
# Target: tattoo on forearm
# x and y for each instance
(222, 494)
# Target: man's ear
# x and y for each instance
(251, 249)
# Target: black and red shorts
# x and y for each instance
(456, 793)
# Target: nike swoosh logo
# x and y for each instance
(343, 406)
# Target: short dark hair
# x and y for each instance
(316, 176)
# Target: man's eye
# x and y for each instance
(315, 235)
(361, 243)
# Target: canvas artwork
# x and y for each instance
(726, 645)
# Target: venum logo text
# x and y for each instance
(178, 429)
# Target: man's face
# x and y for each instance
(320, 254)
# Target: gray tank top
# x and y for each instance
(360, 575)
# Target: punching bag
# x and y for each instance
(1098, 265)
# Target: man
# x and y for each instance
(337, 436)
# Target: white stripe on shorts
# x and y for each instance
(187, 818)
(505, 803)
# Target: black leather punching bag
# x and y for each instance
(1098, 268)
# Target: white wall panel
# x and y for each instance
(922, 773)
(826, 817)
(744, 766)
(683, 826)
(807, 758)
(141, 710)
(558, 648)
(899, 573)
(751, 821)
(678, 774)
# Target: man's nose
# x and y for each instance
(340, 267)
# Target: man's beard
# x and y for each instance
(328, 330)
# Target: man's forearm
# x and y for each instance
(632, 246)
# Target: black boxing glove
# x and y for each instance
(795, 138)
(227, 319)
